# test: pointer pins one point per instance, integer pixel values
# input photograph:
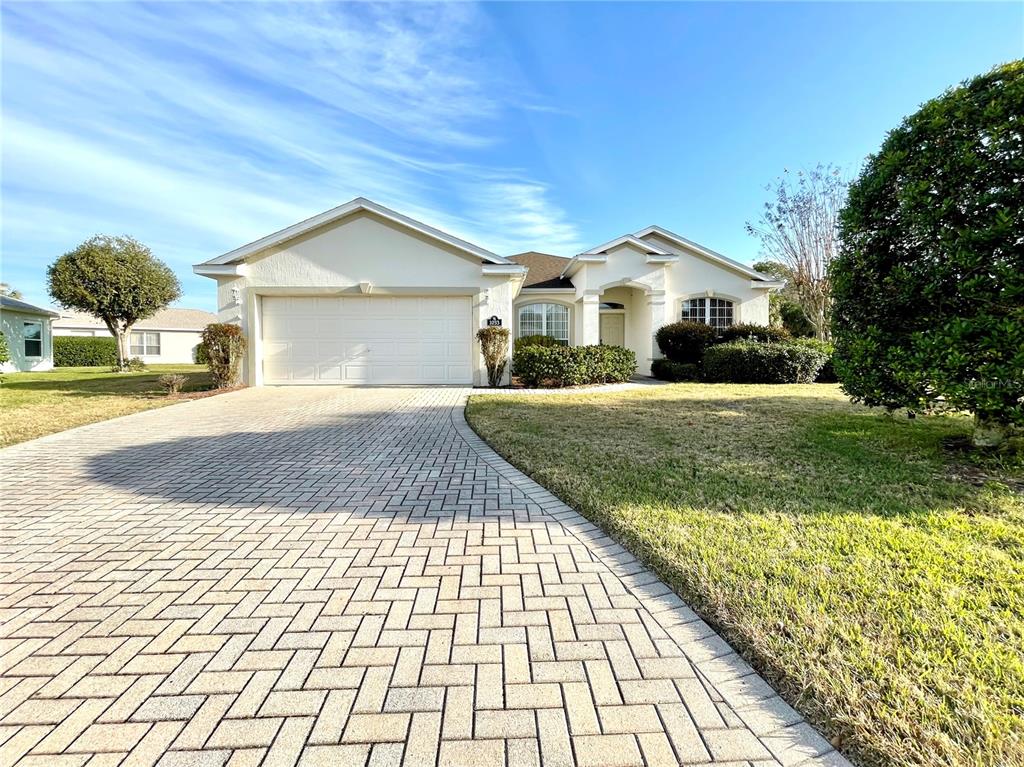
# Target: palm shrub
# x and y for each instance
(225, 349)
(929, 283)
(685, 341)
(494, 346)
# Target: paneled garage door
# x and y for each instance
(367, 340)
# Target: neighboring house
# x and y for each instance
(169, 336)
(362, 294)
(29, 337)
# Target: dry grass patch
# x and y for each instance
(838, 549)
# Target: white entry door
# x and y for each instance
(367, 340)
(613, 329)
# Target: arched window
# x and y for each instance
(716, 312)
(544, 320)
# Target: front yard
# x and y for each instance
(34, 404)
(868, 570)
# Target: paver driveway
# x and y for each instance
(341, 577)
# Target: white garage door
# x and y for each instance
(367, 340)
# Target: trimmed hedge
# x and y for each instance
(751, 332)
(753, 362)
(827, 374)
(84, 351)
(573, 365)
(667, 370)
(534, 340)
(685, 341)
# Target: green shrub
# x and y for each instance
(131, 365)
(494, 346)
(827, 374)
(534, 340)
(84, 351)
(751, 332)
(5, 353)
(667, 370)
(225, 348)
(200, 355)
(573, 365)
(685, 341)
(754, 362)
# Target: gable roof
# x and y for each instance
(353, 206)
(628, 239)
(709, 254)
(165, 319)
(545, 270)
(17, 305)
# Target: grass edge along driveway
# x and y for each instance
(35, 404)
(841, 551)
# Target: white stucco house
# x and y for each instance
(362, 294)
(29, 337)
(168, 337)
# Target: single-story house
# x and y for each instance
(362, 294)
(29, 337)
(168, 337)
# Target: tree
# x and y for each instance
(7, 290)
(116, 279)
(929, 285)
(784, 308)
(799, 232)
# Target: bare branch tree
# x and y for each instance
(799, 229)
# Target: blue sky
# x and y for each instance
(198, 128)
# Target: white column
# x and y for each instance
(658, 312)
(591, 308)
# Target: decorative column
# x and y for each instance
(658, 312)
(591, 308)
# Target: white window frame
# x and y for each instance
(705, 312)
(25, 340)
(544, 330)
(148, 350)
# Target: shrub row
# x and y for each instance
(757, 362)
(667, 370)
(685, 342)
(84, 351)
(572, 365)
(534, 340)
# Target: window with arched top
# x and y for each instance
(550, 320)
(716, 312)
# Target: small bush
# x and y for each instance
(225, 348)
(827, 374)
(172, 382)
(200, 355)
(750, 332)
(573, 365)
(754, 362)
(685, 341)
(84, 351)
(494, 346)
(534, 340)
(131, 365)
(5, 353)
(667, 370)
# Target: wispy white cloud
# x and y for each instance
(201, 127)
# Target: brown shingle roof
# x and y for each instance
(167, 319)
(545, 269)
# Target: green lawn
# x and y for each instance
(34, 404)
(867, 567)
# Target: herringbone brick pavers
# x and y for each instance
(330, 576)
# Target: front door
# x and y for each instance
(613, 329)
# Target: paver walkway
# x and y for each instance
(342, 577)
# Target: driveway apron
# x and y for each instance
(342, 576)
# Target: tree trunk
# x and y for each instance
(989, 432)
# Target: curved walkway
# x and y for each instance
(345, 577)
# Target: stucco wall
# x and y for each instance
(360, 249)
(12, 326)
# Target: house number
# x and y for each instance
(494, 321)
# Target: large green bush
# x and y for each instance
(534, 340)
(225, 349)
(84, 351)
(929, 284)
(573, 365)
(827, 374)
(667, 370)
(755, 362)
(685, 341)
(751, 332)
